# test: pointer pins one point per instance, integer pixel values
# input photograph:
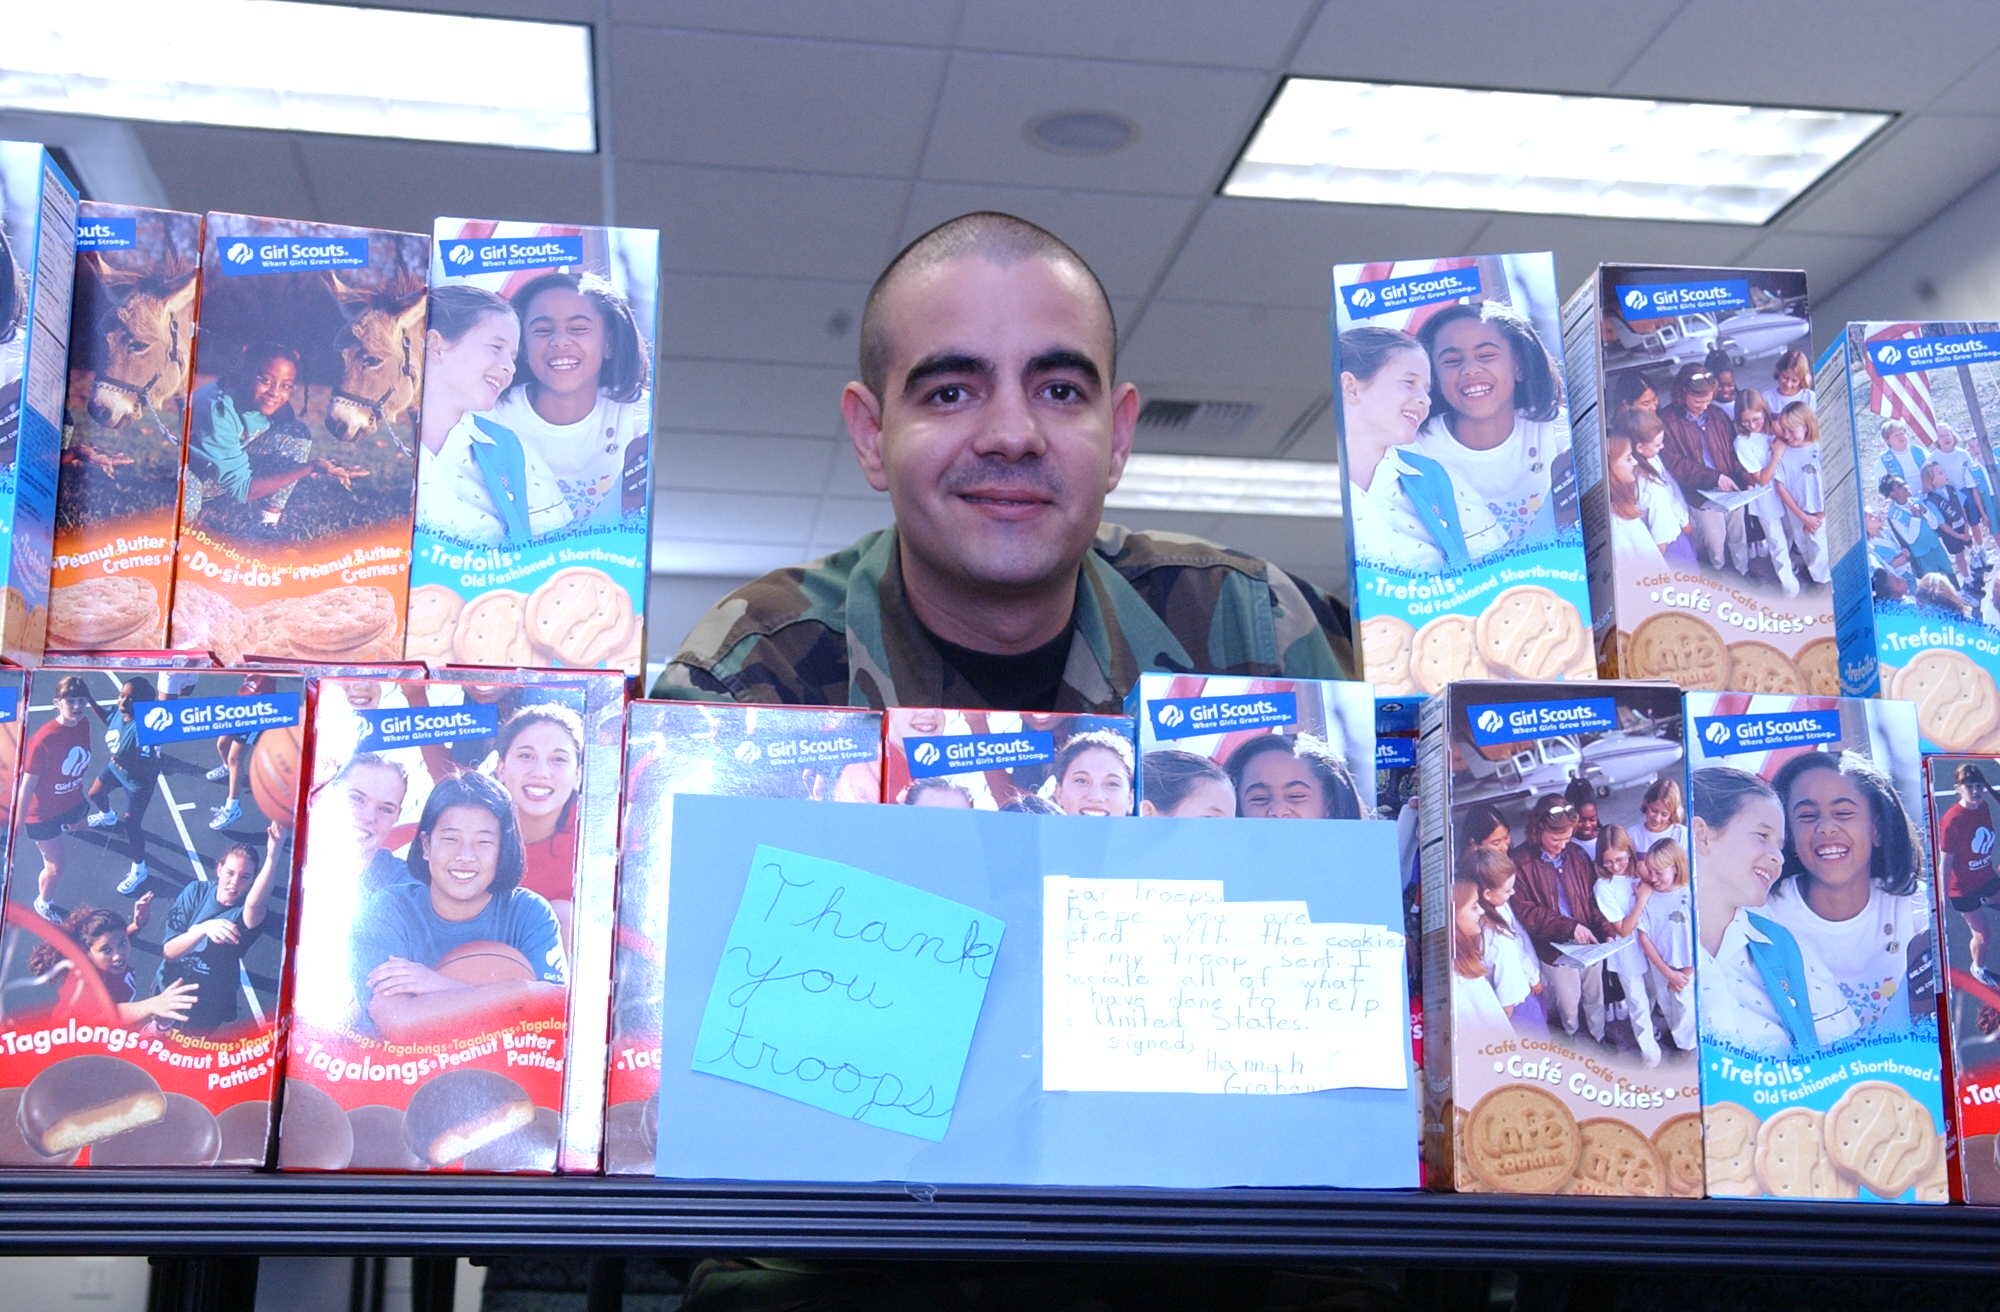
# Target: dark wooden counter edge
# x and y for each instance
(238, 1212)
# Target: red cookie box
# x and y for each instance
(128, 1036)
(1968, 1005)
(830, 754)
(430, 993)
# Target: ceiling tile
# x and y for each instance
(205, 169)
(923, 22)
(727, 396)
(798, 225)
(1283, 252)
(407, 184)
(736, 317)
(1191, 122)
(765, 102)
(1978, 92)
(1824, 61)
(1580, 245)
(1255, 35)
(1828, 261)
(1918, 167)
(1210, 343)
(1281, 419)
(710, 461)
(843, 519)
(735, 517)
(1569, 45)
(1125, 239)
(729, 560)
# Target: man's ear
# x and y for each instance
(863, 414)
(1124, 424)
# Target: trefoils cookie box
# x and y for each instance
(1907, 404)
(1238, 745)
(830, 754)
(534, 486)
(299, 467)
(1820, 1067)
(1558, 1013)
(430, 994)
(572, 803)
(131, 358)
(1042, 762)
(1466, 555)
(37, 269)
(147, 907)
(1708, 493)
(1964, 821)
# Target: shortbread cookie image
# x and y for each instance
(1956, 702)
(1617, 1161)
(1882, 1136)
(490, 632)
(1792, 1160)
(570, 614)
(103, 613)
(1818, 664)
(1445, 651)
(1758, 667)
(1679, 1145)
(1680, 649)
(1522, 1140)
(1385, 653)
(1528, 632)
(197, 612)
(336, 625)
(434, 611)
(1729, 1140)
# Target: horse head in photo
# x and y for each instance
(145, 335)
(381, 350)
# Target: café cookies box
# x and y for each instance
(1467, 556)
(1814, 906)
(131, 356)
(1006, 761)
(1514, 1103)
(1670, 613)
(534, 507)
(297, 490)
(823, 754)
(37, 271)
(430, 993)
(1210, 730)
(155, 1046)
(1916, 642)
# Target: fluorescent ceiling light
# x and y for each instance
(305, 68)
(1217, 484)
(1372, 143)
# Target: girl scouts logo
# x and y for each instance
(1362, 298)
(1635, 299)
(158, 718)
(1171, 716)
(1489, 721)
(1982, 841)
(1888, 355)
(1717, 733)
(460, 254)
(926, 754)
(238, 253)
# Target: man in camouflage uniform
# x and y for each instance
(986, 409)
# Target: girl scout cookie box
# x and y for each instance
(829, 754)
(296, 494)
(1462, 529)
(37, 266)
(1902, 410)
(1707, 494)
(1232, 745)
(141, 960)
(1964, 820)
(1043, 762)
(1558, 1011)
(430, 1000)
(534, 487)
(131, 357)
(1816, 939)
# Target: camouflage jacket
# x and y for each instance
(840, 631)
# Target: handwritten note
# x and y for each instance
(847, 991)
(1164, 986)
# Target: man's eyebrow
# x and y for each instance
(945, 362)
(1062, 359)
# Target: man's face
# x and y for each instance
(999, 429)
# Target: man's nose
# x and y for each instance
(1010, 427)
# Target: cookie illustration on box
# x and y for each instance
(37, 266)
(131, 365)
(1047, 763)
(534, 485)
(1558, 973)
(1708, 493)
(1906, 409)
(1815, 933)
(829, 754)
(431, 989)
(1462, 532)
(1965, 817)
(147, 904)
(299, 467)
(1233, 745)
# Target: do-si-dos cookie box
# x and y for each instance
(1559, 1020)
(1465, 549)
(1816, 936)
(1906, 407)
(1707, 490)
(534, 487)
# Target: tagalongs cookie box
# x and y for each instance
(1816, 932)
(1534, 1082)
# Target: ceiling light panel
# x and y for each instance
(1227, 485)
(306, 68)
(1373, 143)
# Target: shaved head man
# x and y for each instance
(988, 409)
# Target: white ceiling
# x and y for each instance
(787, 150)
